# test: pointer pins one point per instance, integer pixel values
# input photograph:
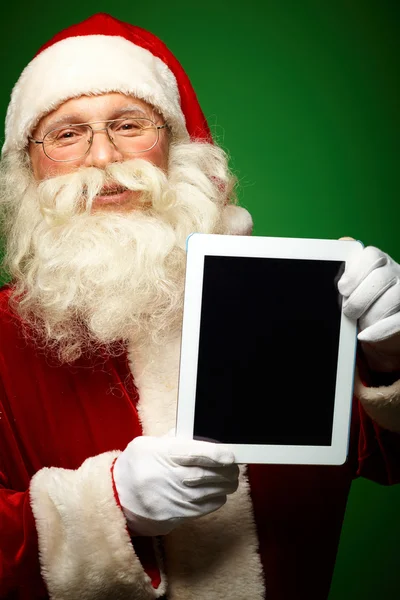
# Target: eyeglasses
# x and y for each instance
(128, 136)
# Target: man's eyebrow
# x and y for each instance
(75, 118)
(129, 109)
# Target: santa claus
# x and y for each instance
(108, 165)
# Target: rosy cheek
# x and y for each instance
(159, 156)
(43, 167)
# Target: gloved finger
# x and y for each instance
(381, 330)
(195, 505)
(210, 492)
(209, 505)
(198, 476)
(368, 291)
(359, 265)
(212, 489)
(385, 306)
(203, 454)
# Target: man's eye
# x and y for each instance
(129, 126)
(69, 134)
(65, 135)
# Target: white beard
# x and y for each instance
(83, 279)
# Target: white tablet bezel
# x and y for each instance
(201, 245)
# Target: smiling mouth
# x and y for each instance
(112, 191)
(112, 195)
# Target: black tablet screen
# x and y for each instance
(268, 351)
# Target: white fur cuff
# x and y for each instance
(84, 546)
(382, 404)
(237, 220)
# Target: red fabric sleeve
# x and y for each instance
(378, 448)
(378, 452)
(19, 557)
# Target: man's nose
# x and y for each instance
(102, 151)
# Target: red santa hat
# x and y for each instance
(97, 56)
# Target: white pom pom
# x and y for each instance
(237, 220)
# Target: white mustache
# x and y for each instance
(64, 196)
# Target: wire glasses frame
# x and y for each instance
(107, 128)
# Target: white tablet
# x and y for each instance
(267, 356)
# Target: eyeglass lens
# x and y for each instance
(71, 142)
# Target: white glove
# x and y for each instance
(162, 481)
(371, 289)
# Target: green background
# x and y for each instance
(305, 97)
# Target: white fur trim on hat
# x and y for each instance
(90, 65)
(84, 547)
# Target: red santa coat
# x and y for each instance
(276, 538)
